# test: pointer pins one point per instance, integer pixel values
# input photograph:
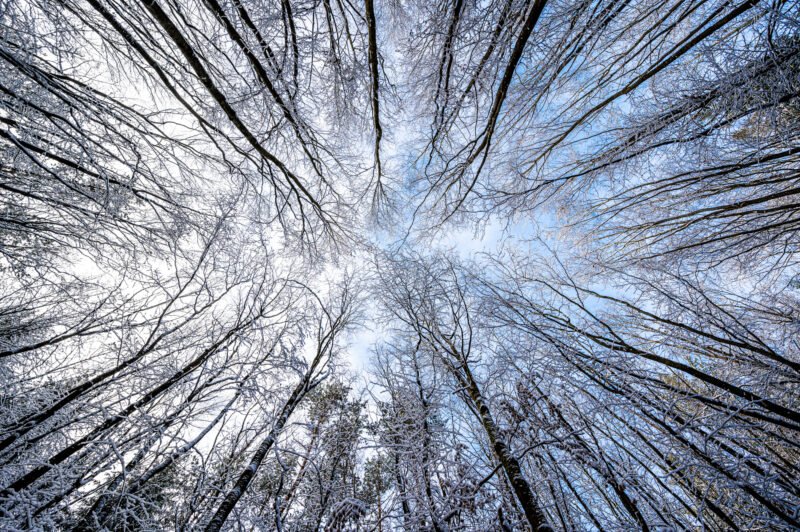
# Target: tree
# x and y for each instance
(439, 315)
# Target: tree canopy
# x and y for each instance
(384, 265)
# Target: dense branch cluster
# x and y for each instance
(206, 205)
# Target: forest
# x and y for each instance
(399, 265)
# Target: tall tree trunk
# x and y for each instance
(250, 471)
(509, 463)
